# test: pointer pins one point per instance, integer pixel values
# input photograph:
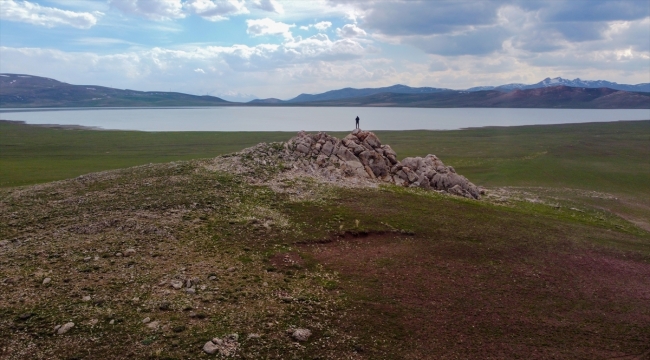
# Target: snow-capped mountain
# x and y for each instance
(645, 87)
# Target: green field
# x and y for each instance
(609, 157)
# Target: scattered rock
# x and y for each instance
(47, 281)
(129, 252)
(300, 334)
(253, 336)
(64, 328)
(231, 269)
(87, 258)
(111, 322)
(154, 325)
(146, 320)
(93, 322)
(226, 346)
(118, 254)
(4, 242)
(176, 284)
(212, 278)
(191, 291)
(85, 298)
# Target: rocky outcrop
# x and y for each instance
(362, 155)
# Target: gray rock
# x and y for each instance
(301, 334)
(47, 280)
(64, 328)
(176, 284)
(129, 252)
(210, 347)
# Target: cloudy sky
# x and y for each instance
(275, 48)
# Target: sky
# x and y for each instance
(242, 49)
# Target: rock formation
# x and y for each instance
(361, 154)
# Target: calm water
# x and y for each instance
(310, 118)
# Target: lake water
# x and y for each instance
(310, 118)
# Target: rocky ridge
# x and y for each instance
(360, 157)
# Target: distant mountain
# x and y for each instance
(17, 90)
(591, 84)
(351, 93)
(547, 97)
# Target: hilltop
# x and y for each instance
(280, 251)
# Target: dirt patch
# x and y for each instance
(460, 300)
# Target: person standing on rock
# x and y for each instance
(357, 119)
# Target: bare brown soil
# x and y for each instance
(570, 303)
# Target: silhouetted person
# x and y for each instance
(357, 119)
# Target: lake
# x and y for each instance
(310, 118)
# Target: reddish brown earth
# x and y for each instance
(441, 300)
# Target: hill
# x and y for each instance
(18, 90)
(549, 97)
(352, 93)
(558, 81)
(253, 255)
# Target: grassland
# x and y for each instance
(549, 270)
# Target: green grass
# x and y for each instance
(610, 157)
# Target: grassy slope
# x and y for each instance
(464, 279)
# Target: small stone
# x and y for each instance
(301, 334)
(129, 252)
(57, 327)
(188, 283)
(253, 336)
(146, 320)
(96, 258)
(135, 299)
(265, 284)
(93, 322)
(176, 284)
(65, 328)
(212, 278)
(4, 242)
(231, 269)
(87, 258)
(210, 347)
(118, 254)
(154, 325)
(86, 298)
(111, 322)
(202, 287)
(47, 281)
(190, 291)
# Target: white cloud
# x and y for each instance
(350, 31)
(268, 5)
(199, 70)
(320, 26)
(266, 26)
(323, 25)
(215, 10)
(151, 9)
(25, 11)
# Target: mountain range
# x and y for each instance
(26, 91)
